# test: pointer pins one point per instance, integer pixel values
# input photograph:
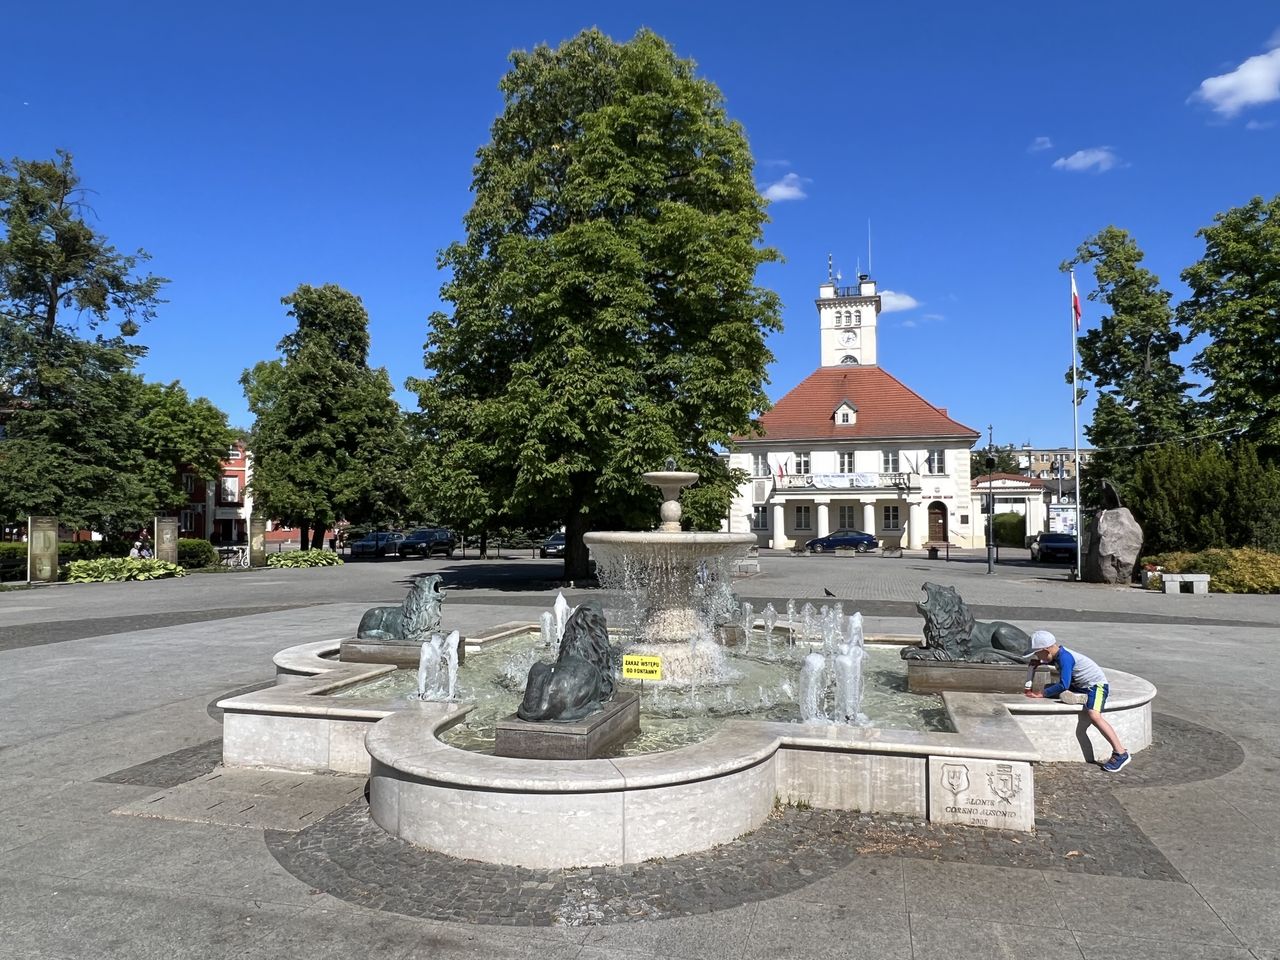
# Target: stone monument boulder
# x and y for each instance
(1111, 547)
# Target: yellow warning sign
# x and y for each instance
(636, 667)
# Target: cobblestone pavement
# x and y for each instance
(1081, 827)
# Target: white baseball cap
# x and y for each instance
(1042, 640)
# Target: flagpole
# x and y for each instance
(1075, 421)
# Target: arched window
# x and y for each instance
(857, 317)
(849, 358)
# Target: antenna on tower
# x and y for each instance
(868, 245)
(830, 275)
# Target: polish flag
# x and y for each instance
(780, 470)
(1075, 302)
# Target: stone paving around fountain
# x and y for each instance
(121, 837)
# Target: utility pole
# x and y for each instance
(991, 501)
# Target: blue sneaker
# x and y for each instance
(1116, 763)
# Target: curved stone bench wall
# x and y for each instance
(1061, 732)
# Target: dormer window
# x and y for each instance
(845, 415)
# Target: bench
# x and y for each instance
(933, 546)
(1185, 582)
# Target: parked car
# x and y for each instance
(1047, 547)
(384, 544)
(553, 546)
(846, 538)
(428, 542)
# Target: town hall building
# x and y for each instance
(851, 446)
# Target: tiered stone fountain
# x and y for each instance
(661, 571)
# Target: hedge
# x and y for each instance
(305, 558)
(1238, 570)
(194, 554)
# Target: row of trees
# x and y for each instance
(1165, 441)
(85, 438)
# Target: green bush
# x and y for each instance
(13, 556)
(1241, 570)
(1011, 529)
(304, 558)
(113, 569)
(194, 554)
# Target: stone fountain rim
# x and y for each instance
(667, 537)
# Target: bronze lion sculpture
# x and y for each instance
(951, 633)
(410, 622)
(583, 677)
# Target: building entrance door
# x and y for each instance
(937, 522)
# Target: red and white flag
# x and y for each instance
(1075, 302)
(781, 472)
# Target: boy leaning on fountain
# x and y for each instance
(1080, 680)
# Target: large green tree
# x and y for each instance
(1235, 302)
(328, 442)
(86, 440)
(1128, 358)
(605, 312)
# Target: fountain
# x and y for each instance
(683, 795)
(667, 572)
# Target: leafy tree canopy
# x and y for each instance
(1128, 358)
(605, 314)
(328, 441)
(86, 440)
(1235, 301)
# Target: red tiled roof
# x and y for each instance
(886, 408)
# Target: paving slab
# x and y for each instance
(1008, 895)
(256, 799)
(1252, 914)
(946, 938)
(850, 932)
(1103, 946)
(1141, 908)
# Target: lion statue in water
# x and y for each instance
(583, 677)
(412, 621)
(951, 633)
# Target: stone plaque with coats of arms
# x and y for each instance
(981, 793)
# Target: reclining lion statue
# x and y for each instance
(410, 622)
(583, 677)
(951, 633)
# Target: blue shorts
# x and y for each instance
(1097, 695)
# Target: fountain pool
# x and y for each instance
(761, 682)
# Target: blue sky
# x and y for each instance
(253, 147)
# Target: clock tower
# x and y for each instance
(847, 322)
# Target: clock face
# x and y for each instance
(848, 338)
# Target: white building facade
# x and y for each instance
(853, 447)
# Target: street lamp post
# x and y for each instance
(991, 503)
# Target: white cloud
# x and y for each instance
(934, 317)
(790, 187)
(1098, 159)
(909, 323)
(891, 302)
(1259, 124)
(1040, 143)
(1254, 82)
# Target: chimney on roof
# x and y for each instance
(866, 286)
(943, 411)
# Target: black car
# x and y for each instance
(1047, 547)
(380, 544)
(845, 538)
(428, 542)
(553, 546)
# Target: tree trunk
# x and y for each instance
(484, 544)
(304, 530)
(577, 559)
(317, 537)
